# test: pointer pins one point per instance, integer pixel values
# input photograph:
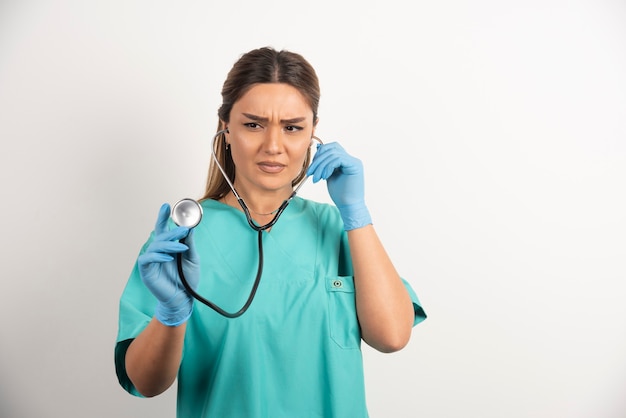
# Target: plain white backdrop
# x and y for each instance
(493, 136)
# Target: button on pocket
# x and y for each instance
(344, 326)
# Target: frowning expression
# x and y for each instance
(270, 131)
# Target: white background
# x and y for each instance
(494, 140)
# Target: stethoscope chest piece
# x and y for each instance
(187, 212)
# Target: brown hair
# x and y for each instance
(263, 65)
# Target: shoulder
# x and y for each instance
(324, 218)
(212, 204)
(325, 212)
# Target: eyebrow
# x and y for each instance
(265, 120)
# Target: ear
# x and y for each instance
(224, 125)
(313, 130)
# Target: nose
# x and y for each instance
(273, 143)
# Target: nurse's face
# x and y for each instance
(270, 131)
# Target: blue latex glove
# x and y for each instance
(158, 270)
(344, 177)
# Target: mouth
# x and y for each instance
(271, 167)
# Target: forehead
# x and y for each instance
(273, 98)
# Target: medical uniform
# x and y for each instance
(296, 351)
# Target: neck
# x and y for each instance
(265, 205)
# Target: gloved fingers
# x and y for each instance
(324, 163)
(328, 166)
(322, 170)
(335, 157)
(173, 234)
(166, 247)
(349, 164)
(153, 257)
(318, 158)
(162, 219)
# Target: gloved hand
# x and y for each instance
(344, 178)
(159, 272)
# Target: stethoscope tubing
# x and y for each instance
(253, 225)
(198, 297)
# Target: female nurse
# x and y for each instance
(327, 282)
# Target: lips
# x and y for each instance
(271, 166)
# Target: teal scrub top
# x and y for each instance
(296, 351)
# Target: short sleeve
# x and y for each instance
(136, 310)
(420, 314)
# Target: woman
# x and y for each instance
(327, 282)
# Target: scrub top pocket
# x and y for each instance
(343, 326)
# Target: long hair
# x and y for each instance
(263, 65)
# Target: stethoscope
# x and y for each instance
(188, 212)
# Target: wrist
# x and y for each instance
(173, 316)
(354, 216)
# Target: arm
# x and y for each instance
(384, 307)
(383, 304)
(153, 358)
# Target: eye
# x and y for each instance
(252, 125)
(293, 128)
